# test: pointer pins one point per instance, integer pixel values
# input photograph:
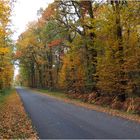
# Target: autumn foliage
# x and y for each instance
(85, 47)
(6, 67)
(55, 43)
(14, 123)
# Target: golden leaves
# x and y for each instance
(4, 51)
(6, 69)
(14, 123)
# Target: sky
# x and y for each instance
(25, 11)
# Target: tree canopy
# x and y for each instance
(84, 47)
(6, 66)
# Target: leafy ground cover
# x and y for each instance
(14, 123)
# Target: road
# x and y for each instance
(55, 119)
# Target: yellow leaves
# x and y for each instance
(6, 68)
(6, 74)
(72, 69)
(4, 9)
(4, 51)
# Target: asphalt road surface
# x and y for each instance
(55, 119)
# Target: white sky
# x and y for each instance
(24, 12)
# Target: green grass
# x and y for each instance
(59, 94)
(3, 94)
(54, 93)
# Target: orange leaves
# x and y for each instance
(72, 73)
(14, 123)
(55, 43)
(47, 15)
(49, 12)
(18, 54)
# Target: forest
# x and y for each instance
(87, 49)
(6, 46)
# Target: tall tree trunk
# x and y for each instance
(90, 52)
(50, 69)
(116, 4)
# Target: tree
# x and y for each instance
(84, 46)
(6, 67)
(114, 59)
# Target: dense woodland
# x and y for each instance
(6, 47)
(90, 49)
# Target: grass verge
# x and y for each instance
(63, 97)
(53, 93)
(14, 123)
(4, 94)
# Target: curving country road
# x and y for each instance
(55, 119)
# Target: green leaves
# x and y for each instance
(81, 44)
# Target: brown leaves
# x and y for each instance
(55, 42)
(13, 120)
(131, 105)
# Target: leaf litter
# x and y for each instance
(14, 122)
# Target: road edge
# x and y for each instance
(112, 112)
(27, 114)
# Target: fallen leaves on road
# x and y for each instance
(14, 123)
